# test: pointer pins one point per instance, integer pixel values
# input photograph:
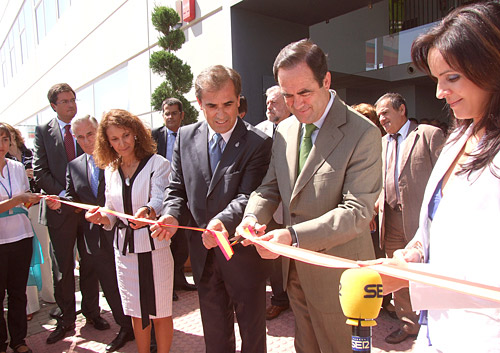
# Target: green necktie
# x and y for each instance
(306, 145)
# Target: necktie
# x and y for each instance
(215, 151)
(170, 145)
(391, 194)
(94, 177)
(306, 145)
(69, 145)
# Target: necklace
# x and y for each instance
(10, 184)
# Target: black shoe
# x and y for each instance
(120, 340)
(398, 336)
(99, 323)
(185, 286)
(175, 297)
(56, 313)
(59, 333)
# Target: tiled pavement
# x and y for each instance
(188, 335)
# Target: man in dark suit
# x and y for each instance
(216, 164)
(85, 184)
(55, 147)
(164, 136)
(409, 152)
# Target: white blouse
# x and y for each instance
(15, 227)
(148, 189)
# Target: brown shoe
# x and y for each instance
(274, 311)
(22, 348)
(398, 336)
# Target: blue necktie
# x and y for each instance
(94, 177)
(215, 151)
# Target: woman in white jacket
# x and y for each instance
(459, 232)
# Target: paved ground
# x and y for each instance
(188, 335)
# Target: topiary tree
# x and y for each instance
(178, 76)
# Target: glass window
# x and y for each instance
(40, 22)
(85, 101)
(50, 14)
(62, 6)
(29, 30)
(111, 92)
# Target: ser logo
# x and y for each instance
(373, 291)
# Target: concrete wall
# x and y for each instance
(256, 41)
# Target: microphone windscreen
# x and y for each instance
(361, 295)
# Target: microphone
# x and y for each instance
(361, 295)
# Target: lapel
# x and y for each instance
(411, 139)
(84, 173)
(385, 145)
(200, 156)
(162, 141)
(328, 138)
(446, 158)
(55, 133)
(233, 148)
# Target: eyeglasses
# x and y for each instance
(65, 102)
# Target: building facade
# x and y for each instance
(102, 49)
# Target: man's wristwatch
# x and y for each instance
(295, 241)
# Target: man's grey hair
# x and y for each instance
(82, 119)
(273, 89)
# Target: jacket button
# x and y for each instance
(293, 215)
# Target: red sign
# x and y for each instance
(188, 10)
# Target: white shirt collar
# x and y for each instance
(321, 120)
(225, 136)
(405, 129)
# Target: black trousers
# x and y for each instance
(63, 241)
(15, 261)
(180, 253)
(101, 269)
(220, 300)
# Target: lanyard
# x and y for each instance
(10, 184)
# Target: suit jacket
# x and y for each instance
(223, 196)
(266, 127)
(49, 167)
(421, 150)
(160, 136)
(330, 203)
(78, 190)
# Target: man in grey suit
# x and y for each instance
(409, 152)
(326, 170)
(216, 164)
(173, 115)
(55, 147)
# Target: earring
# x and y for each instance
(135, 138)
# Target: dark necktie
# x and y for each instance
(69, 145)
(215, 151)
(94, 177)
(391, 194)
(306, 145)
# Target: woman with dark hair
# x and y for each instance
(136, 178)
(16, 245)
(459, 226)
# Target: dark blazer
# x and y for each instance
(160, 136)
(49, 167)
(224, 196)
(78, 190)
